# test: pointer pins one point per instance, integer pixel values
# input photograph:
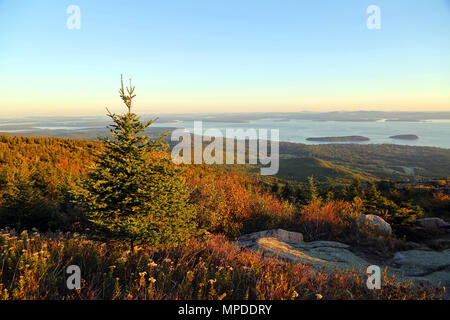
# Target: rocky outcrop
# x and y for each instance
(319, 253)
(431, 223)
(419, 262)
(374, 222)
(279, 234)
(420, 266)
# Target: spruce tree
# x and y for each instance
(134, 193)
(312, 193)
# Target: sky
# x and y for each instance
(224, 56)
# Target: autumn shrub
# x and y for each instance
(231, 204)
(333, 220)
(33, 266)
(337, 221)
(439, 205)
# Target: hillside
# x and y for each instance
(379, 161)
(37, 179)
(299, 169)
(343, 162)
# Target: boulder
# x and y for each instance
(420, 266)
(279, 234)
(431, 223)
(374, 222)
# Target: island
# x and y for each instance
(339, 139)
(405, 137)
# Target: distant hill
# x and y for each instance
(339, 139)
(299, 169)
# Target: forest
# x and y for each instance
(37, 179)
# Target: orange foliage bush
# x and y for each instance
(232, 204)
(330, 220)
(441, 197)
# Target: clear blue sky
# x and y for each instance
(216, 56)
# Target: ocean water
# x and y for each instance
(433, 133)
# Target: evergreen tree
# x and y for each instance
(312, 193)
(330, 193)
(134, 193)
(372, 194)
(22, 205)
(354, 190)
(287, 191)
(276, 188)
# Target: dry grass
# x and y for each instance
(33, 267)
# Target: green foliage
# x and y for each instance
(26, 202)
(307, 193)
(23, 206)
(301, 168)
(399, 214)
(312, 194)
(132, 196)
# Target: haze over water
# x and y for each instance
(430, 133)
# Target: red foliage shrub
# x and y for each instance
(231, 204)
(329, 220)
